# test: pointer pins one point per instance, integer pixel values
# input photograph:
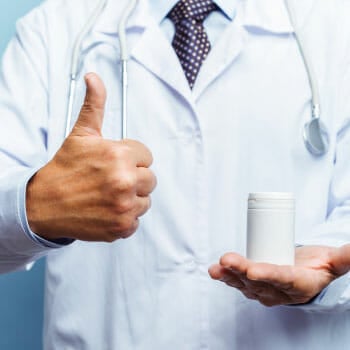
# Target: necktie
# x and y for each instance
(191, 42)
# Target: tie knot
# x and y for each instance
(195, 10)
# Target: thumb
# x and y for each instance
(341, 260)
(91, 115)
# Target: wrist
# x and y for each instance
(36, 206)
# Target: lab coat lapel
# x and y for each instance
(221, 56)
(272, 16)
(269, 16)
(156, 54)
(152, 50)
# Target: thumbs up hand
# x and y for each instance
(93, 189)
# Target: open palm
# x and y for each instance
(314, 269)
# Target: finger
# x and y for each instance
(279, 276)
(146, 182)
(90, 119)
(131, 230)
(340, 260)
(217, 272)
(282, 277)
(233, 280)
(143, 205)
(235, 262)
(140, 154)
(258, 287)
(235, 283)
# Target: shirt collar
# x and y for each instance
(160, 8)
(270, 15)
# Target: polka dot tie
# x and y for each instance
(191, 42)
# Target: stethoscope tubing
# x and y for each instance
(315, 134)
(124, 57)
(76, 58)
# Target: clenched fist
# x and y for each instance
(93, 189)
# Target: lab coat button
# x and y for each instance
(191, 265)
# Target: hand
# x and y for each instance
(271, 285)
(93, 189)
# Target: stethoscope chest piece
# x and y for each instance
(316, 137)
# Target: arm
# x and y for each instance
(320, 281)
(23, 116)
(93, 189)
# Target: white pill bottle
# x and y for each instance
(270, 228)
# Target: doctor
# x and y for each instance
(232, 127)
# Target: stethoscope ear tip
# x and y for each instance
(316, 137)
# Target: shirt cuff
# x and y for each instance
(334, 298)
(59, 243)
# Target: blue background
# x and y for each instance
(21, 293)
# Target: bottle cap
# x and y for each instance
(271, 200)
(272, 195)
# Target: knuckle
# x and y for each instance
(123, 206)
(113, 154)
(121, 151)
(116, 154)
(125, 182)
(90, 108)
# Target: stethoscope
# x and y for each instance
(316, 137)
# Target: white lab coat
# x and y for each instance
(239, 131)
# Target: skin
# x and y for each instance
(272, 285)
(93, 189)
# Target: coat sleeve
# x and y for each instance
(24, 118)
(335, 230)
